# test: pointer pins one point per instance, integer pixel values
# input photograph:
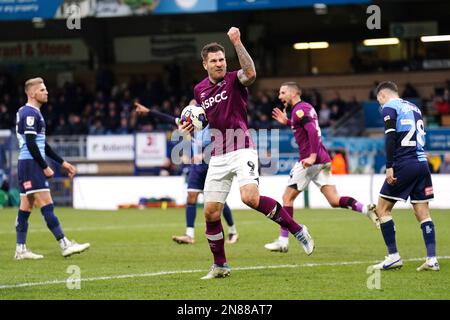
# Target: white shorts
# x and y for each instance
(242, 163)
(320, 174)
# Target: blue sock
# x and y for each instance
(227, 215)
(52, 221)
(388, 231)
(429, 238)
(191, 212)
(22, 226)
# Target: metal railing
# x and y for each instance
(351, 124)
(72, 148)
(61, 190)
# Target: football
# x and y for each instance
(195, 115)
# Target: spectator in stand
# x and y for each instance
(353, 105)
(262, 121)
(446, 94)
(87, 115)
(338, 163)
(61, 104)
(324, 116)
(316, 98)
(166, 107)
(62, 128)
(335, 114)
(373, 91)
(112, 122)
(445, 166)
(124, 128)
(7, 101)
(97, 128)
(441, 106)
(263, 105)
(410, 91)
(5, 118)
(126, 102)
(337, 100)
(51, 118)
(77, 127)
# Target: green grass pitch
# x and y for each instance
(132, 256)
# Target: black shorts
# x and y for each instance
(413, 180)
(31, 177)
(197, 177)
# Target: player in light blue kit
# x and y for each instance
(196, 179)
(407, 174)
(33, 172)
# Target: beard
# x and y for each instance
(42, 100)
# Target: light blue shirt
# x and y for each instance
(29, 120)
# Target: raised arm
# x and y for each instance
(141, 110)
(247, 73)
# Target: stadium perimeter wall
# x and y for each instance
(107, 193)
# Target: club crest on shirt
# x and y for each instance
(30, 121)
(300, 113)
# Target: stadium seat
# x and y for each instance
(3, 198)
(14, 197)
(445, 120)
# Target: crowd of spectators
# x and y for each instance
(75, 110)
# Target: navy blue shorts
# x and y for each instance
(413, 180)
(197, 177)
(31, 177)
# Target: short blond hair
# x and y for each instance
(293, 85)
(32, 82)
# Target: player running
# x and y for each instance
(407, 174)
(224, 96)
(33, 172)
(196, 179)
(314, 164)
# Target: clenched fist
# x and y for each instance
(235, 35)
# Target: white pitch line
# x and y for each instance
(114, 227)
(81, 229)
(164, 273)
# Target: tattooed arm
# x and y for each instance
(247, 74)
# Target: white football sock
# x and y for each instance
(190, 232)
(283, 240)
(232, 229)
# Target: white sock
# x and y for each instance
(431, 260)
(63, 243)
(20, 247)
(232, 229)
(365, 210)
(394, 256)
(283, 240)
(190, 232)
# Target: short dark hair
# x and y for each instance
(211, 47)
(293, 85)
(387, 85)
